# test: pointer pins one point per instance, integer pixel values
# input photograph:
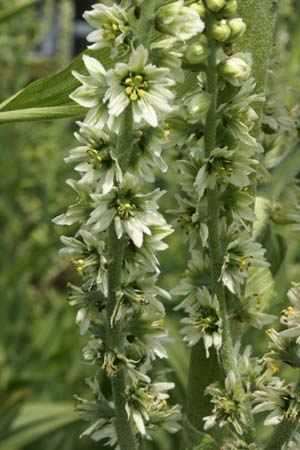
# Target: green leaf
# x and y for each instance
(285, 172)
(36, 420)
(34, 114)
(48, 98)
(275, 246)
(13, 9)
(260, 281)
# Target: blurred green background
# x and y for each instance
(40, 359)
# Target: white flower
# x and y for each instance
(132, 212)
(179, 20)
(111, 25)
(96, 159)
(227, 409)
(282, 400)
(240, 254)
(225, 167)
(147, 407)
(91, 93)
(143, 86)
(204, 320)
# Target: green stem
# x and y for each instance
(260, 17)
(227, 352)
(125, 434)
(201, 372)
(283, 434)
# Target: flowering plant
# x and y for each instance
(160, 77)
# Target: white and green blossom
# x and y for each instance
(111, 23)
(179, 20)
(227, 409)
(131, 212)
(240, 254)
(282, 400)
(204, 320)
(95, 158)
(143, 86)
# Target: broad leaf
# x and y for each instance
(48, 98)
(36, 420)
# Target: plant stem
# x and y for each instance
(125, 434)
(283, 433)
(226, 352)
(260, 17)
(201, 373)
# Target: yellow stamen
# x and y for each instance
(129, 90)
(138, 78)
(141, 92)
(115, 27)
(99, 158)
(243, 264)
(164, 403)
(133, 97)
(69, 284)
(273, 367)
(259, 299)
(269, 330)
(128, 81)
(80, 262)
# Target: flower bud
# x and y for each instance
(215, 5)
(230, 8)
(238, 28)
(199, 8)
(199, 104)
(178, 20)
(221, 31)
(196, 53)
(234, 70)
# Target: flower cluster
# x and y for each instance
(285, 344)
(227, 170)
(119, 227)
(226, 407)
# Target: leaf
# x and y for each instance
(34, 114)
(14, 9)
(48, 98)
(36, 420)
(260, 281)
(9, 408)
(285, 172)
(275, 246)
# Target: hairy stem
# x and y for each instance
(260, 17)
(283, 434)
(125, 434)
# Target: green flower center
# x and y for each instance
(126, 210)
(207, 320)
(110, 31)
(96, 158)
(135, 86)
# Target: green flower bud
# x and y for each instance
(196, 53)
(238, 28)
(215, 5)
(230, 9)
(234, 70)
(199, 104)
(199, 8)
(221, 31)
